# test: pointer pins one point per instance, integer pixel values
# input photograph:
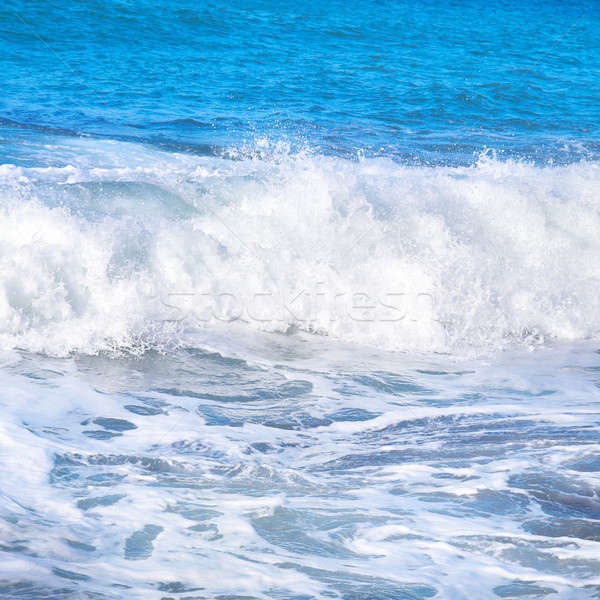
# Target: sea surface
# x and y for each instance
(299, 301)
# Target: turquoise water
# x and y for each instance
(429, 80)
(299, 302)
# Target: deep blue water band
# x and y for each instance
(430, 80)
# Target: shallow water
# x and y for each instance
(305, 470)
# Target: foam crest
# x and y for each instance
(149, 248)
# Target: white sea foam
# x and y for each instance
(106, 485)
(122, 246)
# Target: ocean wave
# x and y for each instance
(120, 245)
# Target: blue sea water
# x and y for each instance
(299, 301)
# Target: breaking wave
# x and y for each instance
(121, 245)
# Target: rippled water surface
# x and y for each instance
(425, 80)
(332, 472)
